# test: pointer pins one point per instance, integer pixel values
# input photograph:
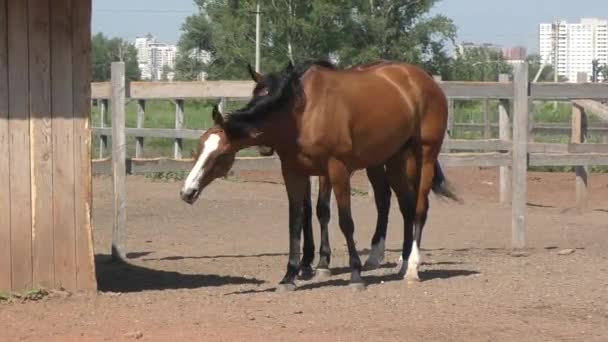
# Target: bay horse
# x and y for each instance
(432, 178)
(322, 121)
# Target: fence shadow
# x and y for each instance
(121, 276)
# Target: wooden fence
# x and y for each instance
(513, 152)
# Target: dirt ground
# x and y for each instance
(208, 272)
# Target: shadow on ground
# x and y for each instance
(121, 276)
(369, 280)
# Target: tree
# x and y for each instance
(348, 31)
(166, 71)
(548, 73)
(478, 64)
(106, 50)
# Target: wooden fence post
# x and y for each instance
(504, 134)
(103, 122)
(579, 136)
(139, 141)
(520, 155)
(487, 123)
(119, 156)
(179, 124)
(450, 122)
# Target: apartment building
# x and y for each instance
(572, 47)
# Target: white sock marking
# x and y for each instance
(413, 261)
(195, 175)
(377, 252)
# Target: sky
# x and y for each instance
(506, 23)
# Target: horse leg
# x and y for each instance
(406, 190)
(382, 197)
(296, 191)
(309, 243)
(340, 179)
(425, 175)
(324, 215)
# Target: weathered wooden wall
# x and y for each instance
(45, 162)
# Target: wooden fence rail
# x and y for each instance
(513, 152)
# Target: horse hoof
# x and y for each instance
(371, 265)
(357, 286)
(412, 279)
(288, 287)
(307, 274)
(322, 273)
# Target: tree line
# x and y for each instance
(345, 31)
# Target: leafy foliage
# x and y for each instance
(107, 50)
(348, 31)
(478, 64)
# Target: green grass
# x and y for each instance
(161, 114)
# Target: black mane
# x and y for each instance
(284, 90)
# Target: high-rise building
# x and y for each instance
(157, 60)
(572, 47)
(514, 53)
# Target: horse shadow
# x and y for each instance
(425, 275)
(122, 276)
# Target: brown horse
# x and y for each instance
(433, 130)
(327, 122)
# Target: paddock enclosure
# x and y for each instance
(524, 258)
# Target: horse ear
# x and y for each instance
(217, 116)
(255, 76)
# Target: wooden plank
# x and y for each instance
(5, 199)
(63, 144)
(41, 142)
(547, 128)
(101, 90)
(81, 53)
(103, 121)
(487, 129)
(191, 90)
(475, 159)
(568, 91)
(477, 90)
(139, 140)
(462, 90)
(587, 148)
(139, 166)
(479, 145)
(520, 155)
(179, 124)
(169, 133)
(119, 160)
(19, 149)
(568, 159)
(504, 134)
(450, 126)
(593, 107)
(579, 136)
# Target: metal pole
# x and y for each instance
(257, 38)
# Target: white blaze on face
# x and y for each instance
(194, 178)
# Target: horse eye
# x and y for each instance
(263, 92)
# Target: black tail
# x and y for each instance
(441, 186)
